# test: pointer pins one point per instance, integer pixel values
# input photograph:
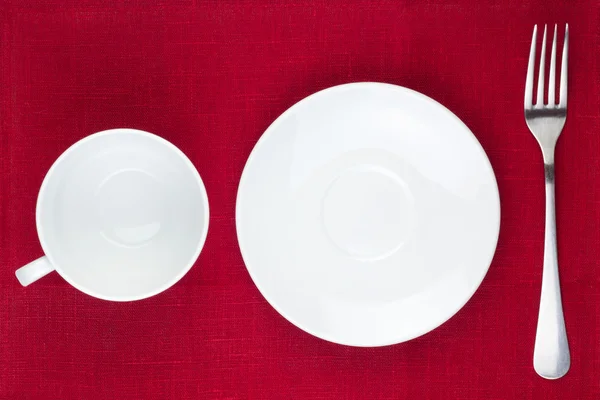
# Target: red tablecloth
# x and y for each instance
(210, 76)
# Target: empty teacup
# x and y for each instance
(121, 215)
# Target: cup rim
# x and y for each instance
(42, 195)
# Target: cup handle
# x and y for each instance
(34, 271)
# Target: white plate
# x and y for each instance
(367, 214)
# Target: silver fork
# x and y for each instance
(551, 358)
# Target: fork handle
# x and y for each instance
(551, 358)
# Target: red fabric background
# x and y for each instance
(210, 76)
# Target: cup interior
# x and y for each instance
(122, 214)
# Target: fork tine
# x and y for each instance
(530, 68)
(540, 87)
(564, 70)
(552, 77)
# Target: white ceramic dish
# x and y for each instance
(367, 214)
(121, 215)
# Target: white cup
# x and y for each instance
(121, 215)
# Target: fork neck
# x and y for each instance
(549, 172)
(548, 147)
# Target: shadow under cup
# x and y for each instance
(122, 215)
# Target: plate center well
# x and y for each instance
(368, 212)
